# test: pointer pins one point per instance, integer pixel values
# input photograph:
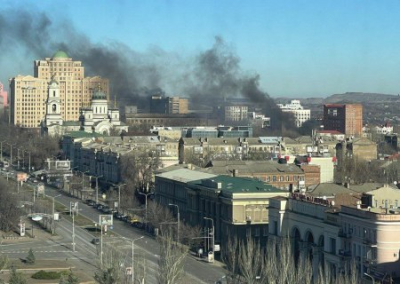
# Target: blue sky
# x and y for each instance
(299, 48)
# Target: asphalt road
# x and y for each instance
(196, 271)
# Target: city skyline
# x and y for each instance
(299, 48)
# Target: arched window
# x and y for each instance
(54, 107)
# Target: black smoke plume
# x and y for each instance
(212, 76)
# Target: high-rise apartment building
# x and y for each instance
(3, 94)
(347, 119)
(301, 115)
(29, 93)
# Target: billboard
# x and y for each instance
(63, 165)
(106, 220)
(22, 176)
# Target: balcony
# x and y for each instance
(345, 235)
(369, 242)
(345, 253)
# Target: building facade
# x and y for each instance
(301, 115)
(347, 118)
(237, 206)
(361, 230)
(3, 94)
(29, 93)
(236, 113)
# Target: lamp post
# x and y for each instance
(119, 195)
(54, 229)
(97, 188)
(179, 220)
(213, 235)
(145, 204)
(133, 258)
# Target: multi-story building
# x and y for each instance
(337, 231)
(236, 113)
(99, 155)
(287, 177)
(236, 205)
(3, 94)
(301, 115)
(168, 105)
(347, 118)
(29, 93)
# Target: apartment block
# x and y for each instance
(336, 231)
(301, 115)
(345, 118)
(29, 93)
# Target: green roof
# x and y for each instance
(60, 54)
(235, 184)
(99, 95)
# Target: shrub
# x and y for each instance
(30, 259)
(44, 275)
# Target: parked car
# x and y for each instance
(95, 241)
(99, 206)
(107, 210)
(90, 202)
(118, 215)
(125, 218)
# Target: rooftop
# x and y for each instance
(60, 54)
(235, 184)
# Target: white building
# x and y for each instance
(99, 117)
(332, 233)
(301, 115)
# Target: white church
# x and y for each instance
(99, 117)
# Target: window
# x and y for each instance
(287, 178)
(273, 178)
(281, 178)
(257, 232)
(268, 178)
(275, 228)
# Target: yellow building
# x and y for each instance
(29, 93)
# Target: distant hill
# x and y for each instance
(349, 97)
(355, 97)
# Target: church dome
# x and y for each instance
(99, 95)
(60, 54)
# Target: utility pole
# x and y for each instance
(179, 220)
(213, 236)
(53, 229)
(133, 258)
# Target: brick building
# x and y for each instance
(345, 118)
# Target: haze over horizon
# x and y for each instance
(291, 48)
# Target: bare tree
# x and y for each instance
(9, 209)
(172, 257)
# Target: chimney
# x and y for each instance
(235, 172)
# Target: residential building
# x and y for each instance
(3, 94)
(288, 177)
(301, 115)
(29, 93)
(149, 119)
(345, 118)
(343, 229)
(235, 112)
(237, 206)
(168, 105)
(99, 155)
(362, 148)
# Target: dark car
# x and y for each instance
(99, 206)
(125, 218)
(106, 210)
(118, 215)
(95, 241)
(90, 202)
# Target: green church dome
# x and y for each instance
(99, 95)
(60, 54)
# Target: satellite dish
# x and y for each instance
(37, 217)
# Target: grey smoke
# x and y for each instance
(212, 76)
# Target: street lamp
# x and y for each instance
(119, 195)
(372, 278)
(178, 220)
(97, 188)
(133, 258)
(213, 235)
(145, 204)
